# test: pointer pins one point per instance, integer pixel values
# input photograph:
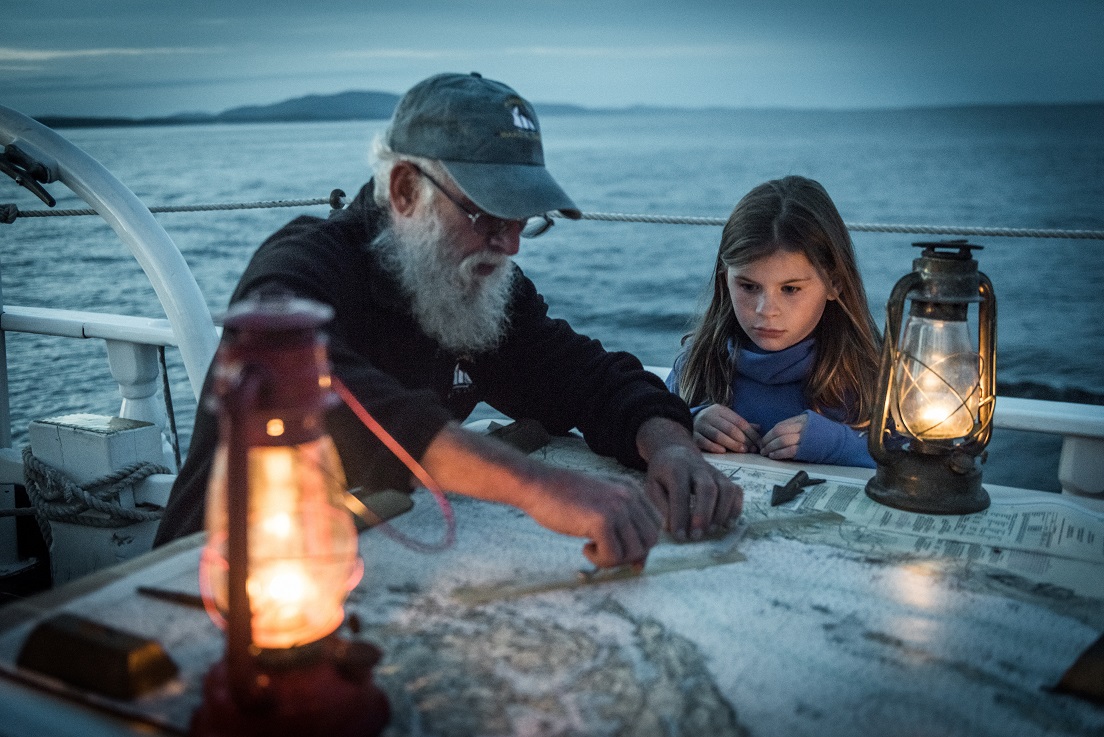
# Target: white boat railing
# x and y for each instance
(132, 354)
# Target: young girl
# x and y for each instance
(784, 362)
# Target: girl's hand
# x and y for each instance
(717, 429)
(782, 440)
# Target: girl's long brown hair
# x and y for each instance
(793, 214)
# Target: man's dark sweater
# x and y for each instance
(542, 370)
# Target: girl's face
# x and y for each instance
(778, 299)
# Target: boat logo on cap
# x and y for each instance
(525, 126)
(521, 120)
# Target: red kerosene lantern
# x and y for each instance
(281, 552)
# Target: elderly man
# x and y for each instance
(432, 316)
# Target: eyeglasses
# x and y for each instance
(487, 225)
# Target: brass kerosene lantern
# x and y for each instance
(936, 387)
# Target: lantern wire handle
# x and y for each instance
(415, 468)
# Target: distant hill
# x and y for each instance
(342, 106)
(352, 105)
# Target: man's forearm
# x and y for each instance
(471, 464)
(658, 433)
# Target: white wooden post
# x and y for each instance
(134, 367)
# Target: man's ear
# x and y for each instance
(404, 188)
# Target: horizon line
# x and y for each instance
(203, 117)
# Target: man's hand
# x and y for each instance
(783, 439)
(616, 515)
(717, 429)
(696, 497)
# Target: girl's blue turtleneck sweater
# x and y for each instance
(769, 386)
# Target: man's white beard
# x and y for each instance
(453, 304)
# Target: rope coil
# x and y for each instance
(57, 498)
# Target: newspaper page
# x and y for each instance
(1042, 536)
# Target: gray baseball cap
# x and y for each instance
(487, 138)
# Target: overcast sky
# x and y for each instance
(147, 57)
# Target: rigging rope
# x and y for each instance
(182, 208)
(9, 213)
(864, 227)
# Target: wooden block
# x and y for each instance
(94, 657)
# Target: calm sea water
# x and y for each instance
(635, 287)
